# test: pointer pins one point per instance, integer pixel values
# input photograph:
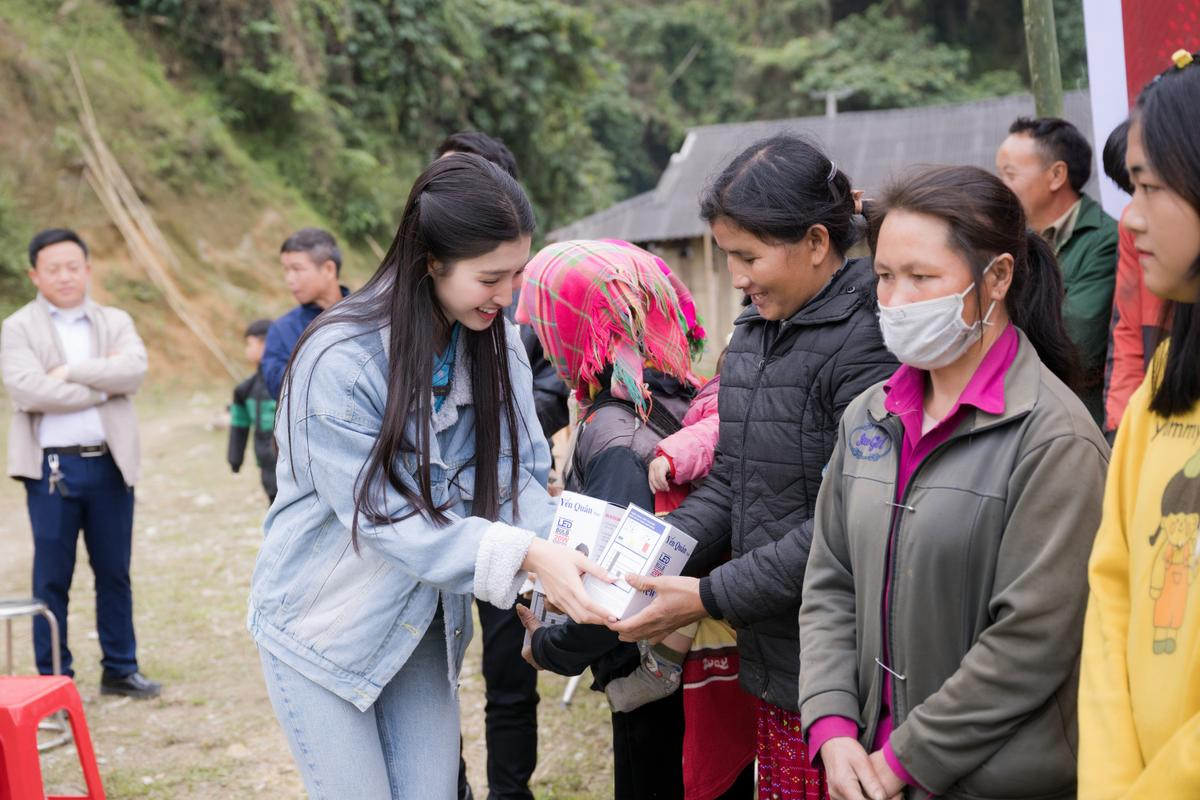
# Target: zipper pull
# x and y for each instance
(893, 672)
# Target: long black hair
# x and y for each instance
(778, 188)
(985, 219)
(1168, 116)
(462, 206)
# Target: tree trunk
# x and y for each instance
(1045, 76)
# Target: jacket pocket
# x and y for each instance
(1038, 761)
(339, 599)
(778, 659)
(293, 558)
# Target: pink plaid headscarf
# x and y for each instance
(608, 302)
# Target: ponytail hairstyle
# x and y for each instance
(462, 206)
(1168, 115)
(778, 188)
(985, 220)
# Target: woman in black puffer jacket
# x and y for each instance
(808, 343)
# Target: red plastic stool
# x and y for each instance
(25, 700)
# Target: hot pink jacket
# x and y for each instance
(691, 449)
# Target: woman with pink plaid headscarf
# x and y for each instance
(607, 304)
(622, 331)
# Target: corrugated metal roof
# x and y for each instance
(869, 146)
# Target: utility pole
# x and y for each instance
(1041, 42)
(831, 98)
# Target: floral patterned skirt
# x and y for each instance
(785, 771)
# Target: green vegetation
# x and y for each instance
(240, 120)
(592, 96)
(15, 232)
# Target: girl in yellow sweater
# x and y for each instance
(1139, 698)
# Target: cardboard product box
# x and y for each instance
(581, 523)
(584, 523)
(642, 544)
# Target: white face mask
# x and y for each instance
(931, 334)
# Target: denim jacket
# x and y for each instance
(349, 620)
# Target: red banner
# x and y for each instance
(1153, 30)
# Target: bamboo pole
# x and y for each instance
(142, 235)
(1041, 42)
(375, 248)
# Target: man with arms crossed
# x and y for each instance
(71, 367)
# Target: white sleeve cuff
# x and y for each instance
(498, 573)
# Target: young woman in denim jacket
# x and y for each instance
(411, 475)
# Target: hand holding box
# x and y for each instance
(642, 544)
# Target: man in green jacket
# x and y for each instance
(1046, 163)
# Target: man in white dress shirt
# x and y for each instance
(71, 367)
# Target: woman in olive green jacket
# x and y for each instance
(943, 605)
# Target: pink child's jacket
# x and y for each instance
(690, 450)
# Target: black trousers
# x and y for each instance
(510, 713)
(648, 751)
(268, 482)
(92, 497)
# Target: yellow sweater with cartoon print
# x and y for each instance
(1139, 697)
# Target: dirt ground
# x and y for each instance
(212, 733)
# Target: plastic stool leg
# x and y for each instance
(22, 767)
(83, 746)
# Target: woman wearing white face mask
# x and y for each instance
(942, 610)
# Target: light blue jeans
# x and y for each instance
(404, 746)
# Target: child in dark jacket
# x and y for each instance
(253, 408)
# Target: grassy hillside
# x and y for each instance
(223, 212)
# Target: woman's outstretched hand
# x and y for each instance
(559, 570)
(676, 603)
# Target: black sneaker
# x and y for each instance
(135, 685)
